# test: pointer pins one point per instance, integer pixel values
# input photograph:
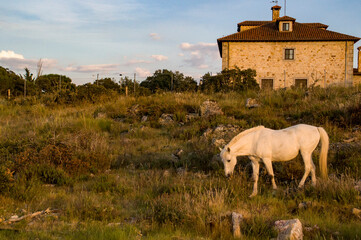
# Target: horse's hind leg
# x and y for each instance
(313, 173)
(309, 166)
(255, 167)
(268, 163)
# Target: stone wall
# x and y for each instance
(359, 59)
(356, 80)
(321, 63)
(244, 28)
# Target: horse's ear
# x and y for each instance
(220, 149)
(228, 149)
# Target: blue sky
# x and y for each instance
(84, 38)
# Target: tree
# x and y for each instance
(166, 80)
(52, 83)
(10, 80)
(230, 80)
(90, 92)
(108, 83)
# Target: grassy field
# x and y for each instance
(107, 170)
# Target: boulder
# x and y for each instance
(236, 224)
(166, 119)
(289, 229)
(252, 103)
(210, 108)
(222, 134)
(356, 212)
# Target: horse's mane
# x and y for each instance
(236, 138)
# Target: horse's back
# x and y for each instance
(284, 144)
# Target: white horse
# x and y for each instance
(265, 145)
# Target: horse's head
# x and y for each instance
(229, 161)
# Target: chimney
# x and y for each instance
(359, 59)
(275, 12)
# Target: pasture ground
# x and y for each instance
(105, 171)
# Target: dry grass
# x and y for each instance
(112, 175)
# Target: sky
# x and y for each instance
(86, 39)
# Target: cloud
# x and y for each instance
(199, 55)
(154, 36)
(10, 54)
(143, 73)
(96, 68)
(159, 57)
(17, 61)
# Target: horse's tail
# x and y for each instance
(324, 151)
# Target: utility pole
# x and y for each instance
(172, 80)
(134, 82)
(97, 78)
(60, 83)
(24, 87)
(285, 7)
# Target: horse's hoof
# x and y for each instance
(252, 195)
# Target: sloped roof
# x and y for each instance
(317, 25)
(269, 32)
(260, 23)
(253, 23)
(286, 18)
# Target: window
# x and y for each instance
(286, 27)
(289, 54)
(301, 83)
(267, 84)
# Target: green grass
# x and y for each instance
(112, 176)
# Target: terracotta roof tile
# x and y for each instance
(253, 23)
(270, 33)
(317, 25)
(286, 18)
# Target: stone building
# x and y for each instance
(288, 53)
(357, 71)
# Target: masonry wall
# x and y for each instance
(321, 63)
(356, 80)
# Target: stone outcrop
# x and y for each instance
(210, 108)
(289, 229)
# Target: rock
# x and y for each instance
(219, 142)
(144, 118)
(252, 103)
(100, 115)
(166, 173)
(356, 212)
(289, 229)
(304, 205)
(178, 153)
(210, 108)
(181, 171)
(312, 229)
(191, 116)
(236, 224)
(14, 217)
(222, 134)
(166, 119)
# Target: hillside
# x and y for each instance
(147, 167)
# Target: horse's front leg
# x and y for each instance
(268, 163)
(255, 167)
